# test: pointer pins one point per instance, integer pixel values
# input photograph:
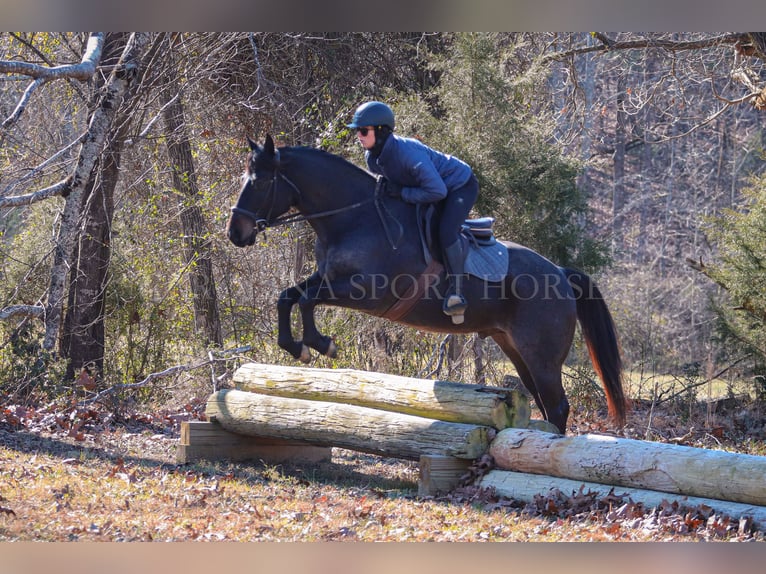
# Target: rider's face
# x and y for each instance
(366, 136)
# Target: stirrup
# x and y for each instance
(455, 306)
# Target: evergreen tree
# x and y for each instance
(741, 271)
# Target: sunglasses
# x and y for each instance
(363, 131)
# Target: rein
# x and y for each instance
(262, 224)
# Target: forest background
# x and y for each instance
(636, 157)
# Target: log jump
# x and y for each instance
(280, 414)
(354, 427)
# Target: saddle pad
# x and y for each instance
(488, 262)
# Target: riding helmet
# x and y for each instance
(372, 114)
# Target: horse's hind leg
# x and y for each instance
(542, 379)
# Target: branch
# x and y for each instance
(609, 45)
(687, 388)
(440, 361)
(22, 311)
(744, 305)
(33, 172)
(60, 188)
(22, 105)
(127, 386)
(228, 356)
(82, 71)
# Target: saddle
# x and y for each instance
(479, 229)
(486, 258)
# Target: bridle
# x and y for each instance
(261, 224)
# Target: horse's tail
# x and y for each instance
(601, 340)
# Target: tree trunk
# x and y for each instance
(116, 89)
(618, 184)
(442, 400)
(346, 426)
(196, 241)
(82, 337)
(479, 361)
(634, 463)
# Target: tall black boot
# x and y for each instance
(454, 303)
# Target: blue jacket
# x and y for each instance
(426, 175)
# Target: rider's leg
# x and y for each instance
(457, 206)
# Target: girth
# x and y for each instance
(415, 292)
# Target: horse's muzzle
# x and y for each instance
(241, 235)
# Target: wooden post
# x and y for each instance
(439, 400)
(440, 474)
(347, 426)
(201, 440)
(634, 463)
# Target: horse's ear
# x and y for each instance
(268, 145)
(252, 144)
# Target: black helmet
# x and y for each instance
(372, 114)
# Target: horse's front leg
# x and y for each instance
(287, 299)
(333, 292)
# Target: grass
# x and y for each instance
(89, 498)
(124, 486)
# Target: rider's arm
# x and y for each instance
(430, 186)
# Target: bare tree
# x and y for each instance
(196, 242)
(73, 188)
(82, 338)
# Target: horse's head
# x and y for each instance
(262, 198)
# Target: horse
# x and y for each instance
(371, 258)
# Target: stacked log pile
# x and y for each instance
(382, 414)
(446, 425)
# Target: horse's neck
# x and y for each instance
(328, 185)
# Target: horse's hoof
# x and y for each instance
(305, 354)
(332, 350)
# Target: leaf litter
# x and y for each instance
(82, 473)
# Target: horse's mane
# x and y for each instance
(331, 158)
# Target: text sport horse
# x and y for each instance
(370, 257)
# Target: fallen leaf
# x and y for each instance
(86, 380)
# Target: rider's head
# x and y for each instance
(373, 118)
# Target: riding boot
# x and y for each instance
(454, 303)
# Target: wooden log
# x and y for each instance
(348, 426)
(634, 463)
(440, 400)
(205, 440)
(524, 487)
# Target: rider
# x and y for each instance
(422, 175)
